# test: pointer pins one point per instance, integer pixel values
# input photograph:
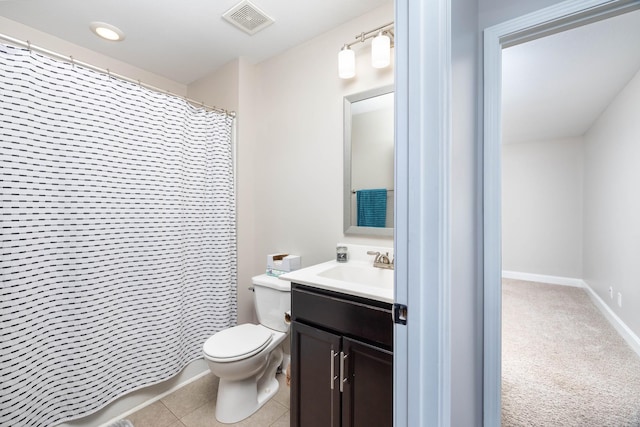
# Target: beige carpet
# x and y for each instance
(563, 364)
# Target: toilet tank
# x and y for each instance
(272, 299)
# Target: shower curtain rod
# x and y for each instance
(27, 44)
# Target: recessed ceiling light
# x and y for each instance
(107, 31)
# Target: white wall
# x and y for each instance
(232, 87)
(612, 204)
(38, 38)
(289, 163)
(542, 207)
(299, 180)
(220, 88)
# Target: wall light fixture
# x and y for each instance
(380, 50)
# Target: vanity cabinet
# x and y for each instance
(341, 360)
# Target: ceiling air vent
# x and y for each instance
(246, 16)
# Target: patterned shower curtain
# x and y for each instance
(118, 254)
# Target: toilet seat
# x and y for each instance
(237, 343)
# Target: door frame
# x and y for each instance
(544, 22)
(422, 351)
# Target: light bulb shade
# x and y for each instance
(380, 51)
(346, 63)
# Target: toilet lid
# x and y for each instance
(238, 342)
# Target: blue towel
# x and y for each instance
(372, 207)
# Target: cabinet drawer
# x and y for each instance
(370, 322)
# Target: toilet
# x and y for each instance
(246, 357)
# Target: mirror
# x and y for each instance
(369, 162)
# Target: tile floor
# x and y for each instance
(194, 406)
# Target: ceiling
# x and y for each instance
(183, 40)
(557, 86)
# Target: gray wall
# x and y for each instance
(542, 207)
(571, 207)
(612, 205)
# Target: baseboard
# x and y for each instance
(552, 280)
(143, 396)
(155, 398)
(625, 332)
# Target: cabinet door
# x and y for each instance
(367, 398)
(315, 393)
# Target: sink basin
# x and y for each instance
(361, 274)
(356, 277)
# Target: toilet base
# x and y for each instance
(286, 361)
(240, 399)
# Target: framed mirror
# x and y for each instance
(369, 162)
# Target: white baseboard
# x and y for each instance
(625, 332)
(552, 280)
(137, 399)
(155, 398)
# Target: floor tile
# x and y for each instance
(192, 396)
(266, 416)
(283, 421)
(195, 406)
(204, 416)
(154, 415)
(283, 396)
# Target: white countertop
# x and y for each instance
(355, 277)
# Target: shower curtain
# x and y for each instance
(118, 237)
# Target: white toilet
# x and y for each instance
(246, 357)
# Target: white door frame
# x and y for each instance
(422, 353)
(538, 24)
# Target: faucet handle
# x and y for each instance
(381, 261)
(376, 254)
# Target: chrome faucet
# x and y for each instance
(381, 261)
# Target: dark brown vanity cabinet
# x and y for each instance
(341, 360)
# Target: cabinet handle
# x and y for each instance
(334, 377)
(343, 378)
